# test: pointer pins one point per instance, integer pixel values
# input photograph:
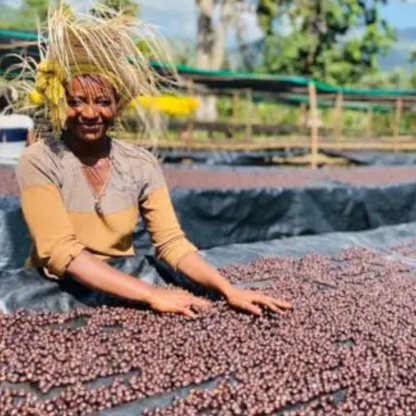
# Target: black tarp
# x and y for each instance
(218, 217)
(226, 158)
(267, 157)
(374, 158)
(25, 288)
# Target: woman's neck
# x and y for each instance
(88, 152)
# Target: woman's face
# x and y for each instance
(92, 106)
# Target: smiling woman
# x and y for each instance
(92, 106)
(82, 192)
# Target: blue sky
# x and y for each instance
(401, 14)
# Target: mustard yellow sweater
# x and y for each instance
(59, 206)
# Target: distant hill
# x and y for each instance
(397, 57)
(399, 54)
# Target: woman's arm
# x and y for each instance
(195, 267)
(173, 247)
(98, 275)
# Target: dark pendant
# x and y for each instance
(98, 208)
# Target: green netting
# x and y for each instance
(296, 99)
(293, 81)
(15, 34)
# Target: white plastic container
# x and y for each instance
(10, 152)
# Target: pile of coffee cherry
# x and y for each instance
(348, 347)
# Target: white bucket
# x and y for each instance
(10, 152)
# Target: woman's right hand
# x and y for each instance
(176, 301)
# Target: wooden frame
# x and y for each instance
(313, 125)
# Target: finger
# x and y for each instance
(258, 296)
(272, 303)
(183, 303)
(282, 304)
(268, 303)
(190, 300)
(188, 312)
(250, 307)
(194, 300)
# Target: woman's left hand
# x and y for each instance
(251, 301)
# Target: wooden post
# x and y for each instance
(302, 115)
(313, 125)
(249, 115)
(396, 125)
(190, 128)
(369, 127)
(339, 119)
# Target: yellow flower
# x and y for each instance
(48, 71)
(36, 98)
(170, 105)
(48, 84)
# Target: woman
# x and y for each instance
(81, 194)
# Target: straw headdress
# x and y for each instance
(92, 44)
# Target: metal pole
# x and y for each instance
(313, 125)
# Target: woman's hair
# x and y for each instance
(105, 43)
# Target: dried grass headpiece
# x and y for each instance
(89, 44)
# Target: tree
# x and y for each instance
(337, 41)
(127, 7)
(211, 39)
(34, 11)
(31, 13)
(399, 78)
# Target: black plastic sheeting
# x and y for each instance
(41, 293)
(372, 158)
(14, 236)
(220, 217)
(25, 288)
(266, 157)
(226, 158)
(213, 218)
